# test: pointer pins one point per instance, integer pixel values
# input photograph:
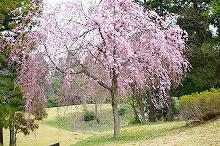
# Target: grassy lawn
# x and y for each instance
(65, 122)
(158, 133)
(68, 121)
(161, 133)
(47, 135)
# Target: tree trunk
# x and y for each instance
(152, 114)
(114, 94)
(134, 109)
(12, 137)
(116, 116)
(96, 112)
(142, 112)
(100, 107)
(169, 109)
(137, 96)
(15, 138)
(1, 136)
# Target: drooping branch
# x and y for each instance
(101, 83)
(51, 60)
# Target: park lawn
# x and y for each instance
(70, 121)
(47, 135)
(161, 133)
(55, 112)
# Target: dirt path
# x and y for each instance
(78, 124)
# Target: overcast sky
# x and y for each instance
(53, 2)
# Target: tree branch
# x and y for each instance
(101, 83)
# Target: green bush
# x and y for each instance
(200, 106)
(52, 100)
(89, 116)
(175, 106)
(121, 111)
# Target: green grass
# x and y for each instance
(106, 121)
(47, 135)
(161, 133)
(68, 121)
(64, 122)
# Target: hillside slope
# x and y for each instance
(47, 135)
(162, 133)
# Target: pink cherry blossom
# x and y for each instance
(114, 44)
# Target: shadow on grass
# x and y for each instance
(142, 132)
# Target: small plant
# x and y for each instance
(121, 111)
(134, 121)
(175, 106)
(89, 116)
(200, 106)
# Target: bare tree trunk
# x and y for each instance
(116, 118)
(1, 136)
(114, 94)
(134, 109)
(133, 100)
(169, 109)
(152, 114)
(142, 112)
(15, 138)
(96, 112)
(137, 96)
(12, 137)
(96, 109)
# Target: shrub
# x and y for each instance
(121, 111)
(52, 100)
(89, 116)
(161, 109)
(200, 106)
(175, 106)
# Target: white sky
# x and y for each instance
(53, 2)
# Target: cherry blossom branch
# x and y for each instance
(101, 83)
